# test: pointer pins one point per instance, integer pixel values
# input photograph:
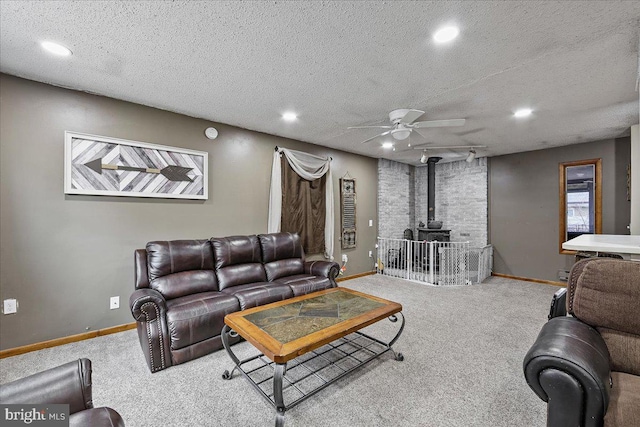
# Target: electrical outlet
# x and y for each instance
(114, 302)
(370, 254)
(563, 275)
(345, 258)
(10, 306)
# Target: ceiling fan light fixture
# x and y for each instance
(400, 134)
(446, 34)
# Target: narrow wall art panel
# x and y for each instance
(348, 212)
(103, 166)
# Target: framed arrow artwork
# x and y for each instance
(103, 166)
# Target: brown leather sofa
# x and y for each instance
(587, 366)
(184, 288)
(65, 384)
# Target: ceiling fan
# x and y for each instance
(404, 122)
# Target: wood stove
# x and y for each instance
(432, 233)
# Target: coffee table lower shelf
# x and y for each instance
(285, 385)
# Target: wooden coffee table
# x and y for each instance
(308, 342)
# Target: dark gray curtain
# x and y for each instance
(303, 208)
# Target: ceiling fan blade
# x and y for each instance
(439, 123)
(418, 132)
(411, 116)
(374, 137)
(370, 127)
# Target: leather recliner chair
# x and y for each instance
(586, 366)
(65, 384)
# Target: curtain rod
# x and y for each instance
(330, 158)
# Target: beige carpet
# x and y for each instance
(463, 349)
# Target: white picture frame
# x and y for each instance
(104, 166)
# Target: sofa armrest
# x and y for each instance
(558, 304)
(328, 269)
(96, 417)
(147, 304)
(65, 384)
(149, 308)
(568, 367)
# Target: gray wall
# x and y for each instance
(62, 256)
(623, 205)
(524, 205)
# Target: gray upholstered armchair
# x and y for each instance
(586, 366)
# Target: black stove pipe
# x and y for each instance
(431, 187)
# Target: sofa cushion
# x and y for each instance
(241, 274)
(254, 294)
(282, 255)
(238, 260)
(624, 349)
(235, 250)
(624, 403)
(302, 284)
(276, 246)
(194, 318)
(181, 267)
(283, 268)
(606, 294)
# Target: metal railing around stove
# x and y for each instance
(436, 263)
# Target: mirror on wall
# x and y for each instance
(580, 199)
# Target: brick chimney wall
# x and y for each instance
(461, 200)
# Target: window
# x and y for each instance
(580, 199)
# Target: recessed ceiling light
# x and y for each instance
(387, 145)
(446, 34)
(56, 48)
(289, 116)
(523, 112)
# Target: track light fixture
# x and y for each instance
(471, 156)
(451, 148)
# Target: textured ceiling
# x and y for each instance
(340, 64)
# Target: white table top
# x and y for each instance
(614, 243)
